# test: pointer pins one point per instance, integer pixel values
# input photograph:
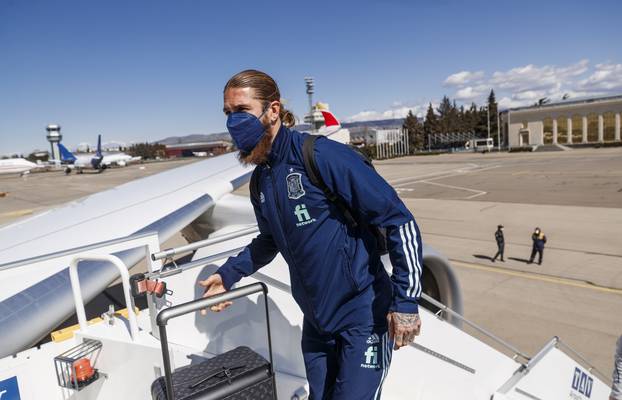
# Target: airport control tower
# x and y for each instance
(314, 117)
(54, 137)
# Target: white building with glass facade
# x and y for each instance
(585, 121)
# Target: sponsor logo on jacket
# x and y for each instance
(301, 212)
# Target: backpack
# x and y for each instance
(313, 173)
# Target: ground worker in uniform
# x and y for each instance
(500, 243)
(616, 386)
(538, 240)
(354, 313)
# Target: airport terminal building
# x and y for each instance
(571, 122)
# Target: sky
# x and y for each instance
(145, 70)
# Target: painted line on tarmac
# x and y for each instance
(538, 277)
(477, 192)
(442, 175)
(17, 213)
(409, 179)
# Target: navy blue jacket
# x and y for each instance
(499, 237)
(538, 241)
(336, 274)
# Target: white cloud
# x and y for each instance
(520, 86)
(525, 85)
(399, 111)
(468, 93)
(463, 77)
(606, 77)
(532, 77)
(368, 115)
(508, 102)
(529, 95)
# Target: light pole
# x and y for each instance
(488, 119)
(498, 132)
(507, 134)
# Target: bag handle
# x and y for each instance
(185, 308)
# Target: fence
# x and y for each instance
(391, 143)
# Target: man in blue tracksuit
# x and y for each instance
(354, 313)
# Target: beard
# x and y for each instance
(259, 155)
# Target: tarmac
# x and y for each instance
(575, 197)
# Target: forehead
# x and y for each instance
(237, 96)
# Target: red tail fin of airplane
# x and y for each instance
(329, 119)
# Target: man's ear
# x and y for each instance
(275, 111)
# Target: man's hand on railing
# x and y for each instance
(213, 285)
(403, 328)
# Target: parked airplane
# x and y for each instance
(132, 220)
(17, 166)
(99, 161)
(81, 162)
(119, 159)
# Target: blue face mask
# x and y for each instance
(245, 129)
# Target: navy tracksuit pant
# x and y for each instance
(351, 364)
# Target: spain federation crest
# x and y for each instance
(294, 186)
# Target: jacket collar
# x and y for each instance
(279, 146)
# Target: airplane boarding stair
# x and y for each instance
(445, 362)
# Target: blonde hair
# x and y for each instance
(265, 90)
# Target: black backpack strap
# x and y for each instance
(253, 186)
(308, 156)
(313, 172)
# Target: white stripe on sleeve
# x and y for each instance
(410, 239)
(417, 288)
(408, 256)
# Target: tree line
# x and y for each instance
(448, 117)
(147, 150)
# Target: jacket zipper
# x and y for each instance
(281, 221)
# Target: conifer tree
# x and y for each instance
(430, 125)
(492, 106)
(415, 132)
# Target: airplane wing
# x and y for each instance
(119, 211)
(37, 297)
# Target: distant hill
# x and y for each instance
(200, 137)
(212, 137)
(381, 123)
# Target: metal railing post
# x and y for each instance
(125, 279)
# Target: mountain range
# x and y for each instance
(213, 137)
